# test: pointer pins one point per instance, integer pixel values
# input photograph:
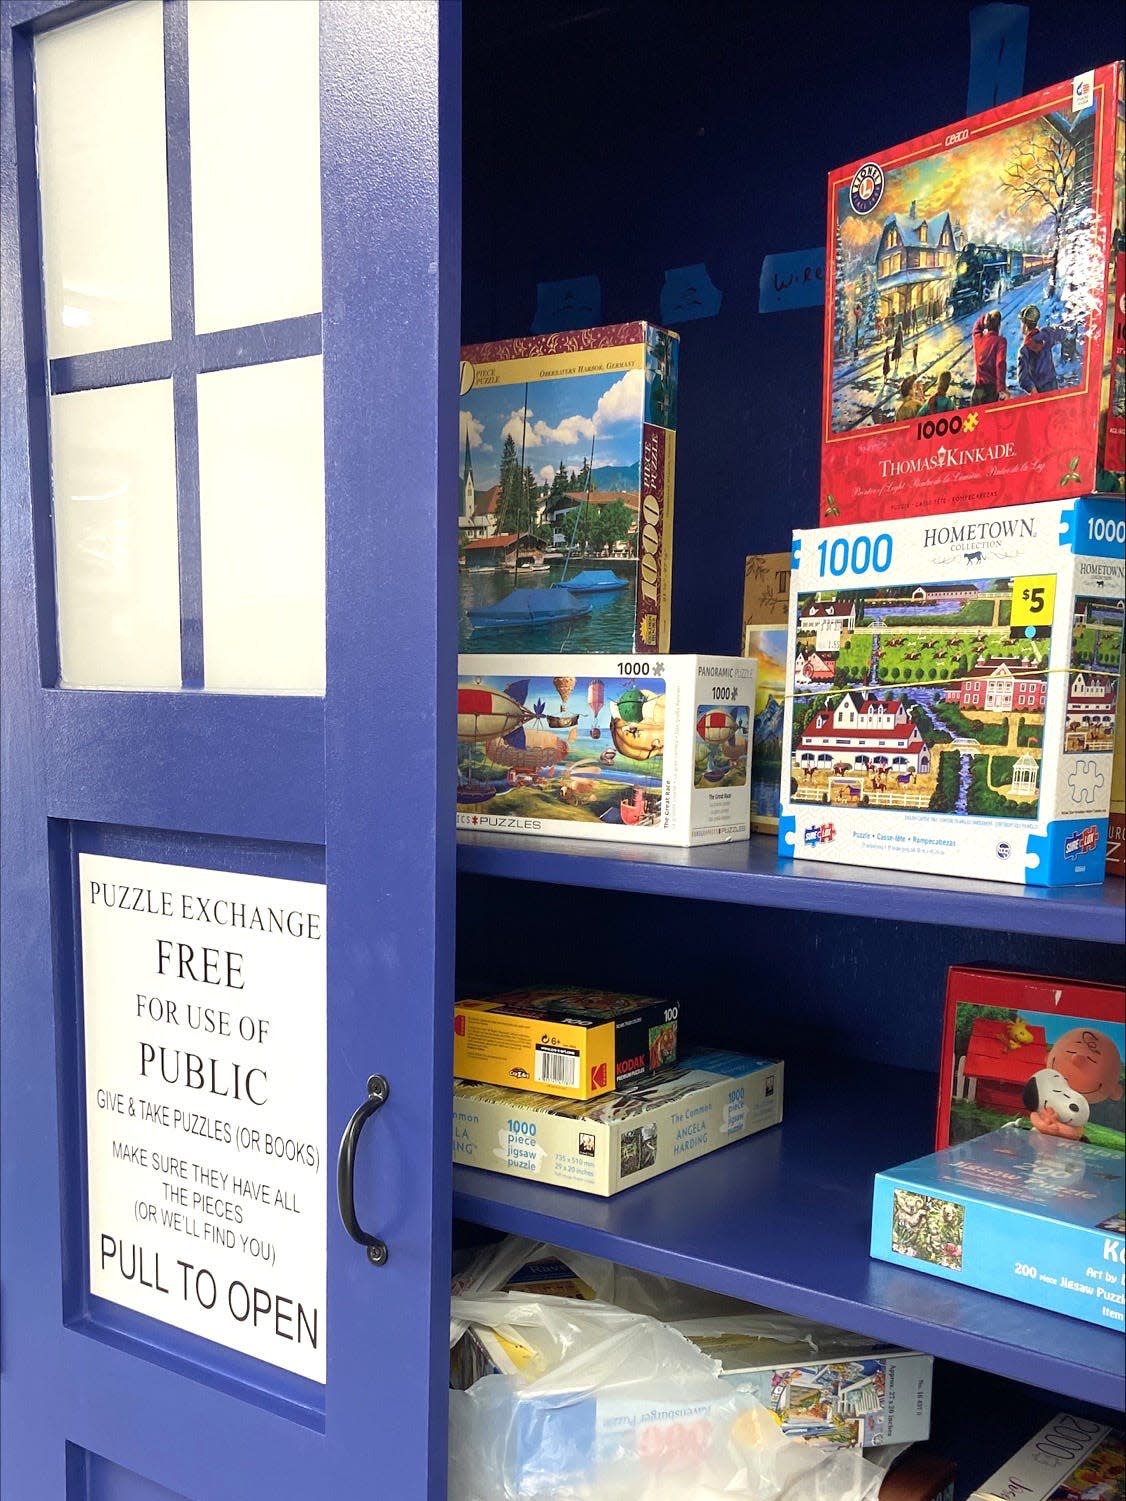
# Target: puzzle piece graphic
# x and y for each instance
(1086, 782)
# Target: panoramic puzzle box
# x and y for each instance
(952, 690)
(650, 751)
(973, 356)
(568, 447)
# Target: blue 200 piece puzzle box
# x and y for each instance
(1032, 1217)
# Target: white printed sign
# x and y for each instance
(204, 996)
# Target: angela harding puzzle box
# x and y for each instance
(973, 355)
(566, 491)
(951, 693)
(651, 751)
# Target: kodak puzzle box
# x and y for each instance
(766, 597)
(654, 750)
(605, 1145)
(564, 1041)
(951, 692)
(1071, 1459)
(973, 354)
(1033, 1217)
(568, 444)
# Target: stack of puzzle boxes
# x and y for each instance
(587, 1089)
(955, 628)
(573, 719)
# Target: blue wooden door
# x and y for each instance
(229, 324)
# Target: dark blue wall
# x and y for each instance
(623, 139)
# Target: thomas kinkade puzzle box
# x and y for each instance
(653, 751)
(952, 690)
(973, 357)
(565, 495)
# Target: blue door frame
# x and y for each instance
(99, 1402)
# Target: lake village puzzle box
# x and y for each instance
(566, 491)
(952, 690)
(973, 356)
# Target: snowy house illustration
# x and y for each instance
(828, 618)
(860, 730)
(915, 260)
(1001, 685)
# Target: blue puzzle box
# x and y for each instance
(1032, 1217)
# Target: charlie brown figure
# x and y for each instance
(1090, 1063)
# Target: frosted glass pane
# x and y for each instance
(113, 460)
(103, 179)
(262, 487)
(256, 190)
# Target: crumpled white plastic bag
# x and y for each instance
(623, 1408)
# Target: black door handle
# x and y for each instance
(378, 1090)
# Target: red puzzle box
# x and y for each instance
(973, 357)
(1028, 1048)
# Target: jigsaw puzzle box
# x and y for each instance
(951, 693)
(823, 1384)
(1001, 1028)
(565, 497)
(1033, 1217)
(766, 596)
(653, 750)
(972, 353)
(1069, 1459)
(565, 1041)
(604, 1145)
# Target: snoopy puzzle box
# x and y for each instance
(951, 692)
(973, 353)
(565, 497)
(1032, 1217)
(654, 750)
(1005, 1032)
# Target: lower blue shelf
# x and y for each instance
(783, 1219)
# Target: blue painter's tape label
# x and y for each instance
(998, 43)
(562, 305)
(688, 293)
(793, 278)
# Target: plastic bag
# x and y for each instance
(623, 1408)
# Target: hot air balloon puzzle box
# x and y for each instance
(973, 356)
(951, 692)
(656, 750)
(568, 443)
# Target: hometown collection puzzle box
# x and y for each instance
(656, 750)
(1033, 1217)
(565, 497)
(604, 1145)
(973, 357)
(1002, 1029)
(952, 690)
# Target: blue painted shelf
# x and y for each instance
(751, 874)
(783, 1219)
